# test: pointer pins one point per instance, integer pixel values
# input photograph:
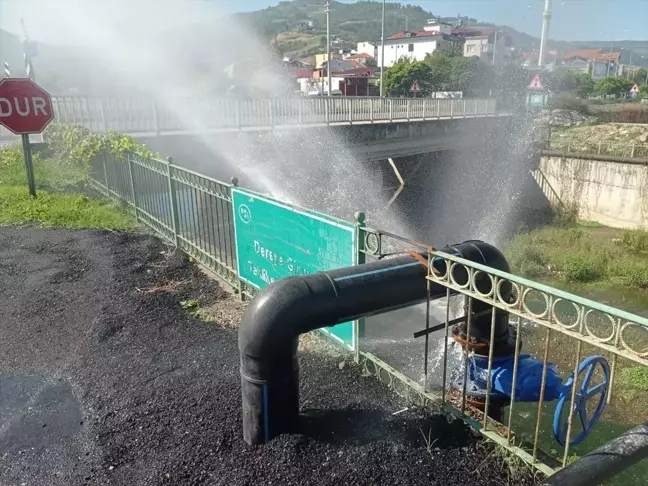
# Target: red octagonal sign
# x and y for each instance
(25, 107)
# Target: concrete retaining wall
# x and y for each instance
(613, 193)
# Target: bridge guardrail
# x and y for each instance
(146, 116)
(630, 150)
(195, 213)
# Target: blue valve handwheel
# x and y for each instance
(597, 394)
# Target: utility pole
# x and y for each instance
(382, 52)
(494, 47)
(328, 45)
(546, 18)
(610, 59)
(27, 52)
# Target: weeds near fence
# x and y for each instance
(61, 170)
(575, 254)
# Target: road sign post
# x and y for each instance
(25, 108)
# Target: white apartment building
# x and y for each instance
(415, 45)
(367, 48)
(483, 47)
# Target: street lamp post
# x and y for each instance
(382, 51)
(328, 46)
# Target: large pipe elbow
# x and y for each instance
(279, 313)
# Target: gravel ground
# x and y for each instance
(105, 379)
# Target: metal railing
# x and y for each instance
(556, 324)
(192, 211)
(219, 114)
(195, 213)
(630, 150)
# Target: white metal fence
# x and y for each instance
(143, 115)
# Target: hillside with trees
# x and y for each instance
(361, 21)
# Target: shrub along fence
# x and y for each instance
(249, 240)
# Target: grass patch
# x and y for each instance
(576, 254)
(49, 173)
(60, 177)
(635, 378)
(67, 210)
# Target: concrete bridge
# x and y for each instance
(373, 129)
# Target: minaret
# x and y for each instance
(546, 17)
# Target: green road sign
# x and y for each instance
(276, 240)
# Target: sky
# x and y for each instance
(572, 19)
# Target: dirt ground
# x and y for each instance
(106, 379)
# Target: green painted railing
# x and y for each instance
(195, 213)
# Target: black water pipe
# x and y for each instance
(278, 314)
(604, 463)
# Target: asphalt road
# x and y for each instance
(105, 379)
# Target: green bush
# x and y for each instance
(569, 102)
(635, 240)
(583, 268)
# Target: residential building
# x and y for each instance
(596, 62)
(362, 57)
(416, 45)
(479, 42)
(322, 58)
(484, 43)
(368, 48)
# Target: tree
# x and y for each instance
(511, 77)
(401, 76)
(450, 50)
(468, 74)
(640, 77)
(613, 85)
(568, 81)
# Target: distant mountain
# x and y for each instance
(204, 51)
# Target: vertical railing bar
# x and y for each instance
(230, 230)
(220, 220)
(172, 201)
(467, 347)
(608, 399)
(572, 403)
(491, 347)
(427, 334)
(445, 339)
(200, 216)
(516, 357)
(222, 241)
(543, 384)
(132, 182)
(194, 213)
(213, 224)
(103, 160)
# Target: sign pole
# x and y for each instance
(29, 165)
(26, 109)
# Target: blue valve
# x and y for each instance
(584, 394)
(529, 382)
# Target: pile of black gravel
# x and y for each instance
(106, 379)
